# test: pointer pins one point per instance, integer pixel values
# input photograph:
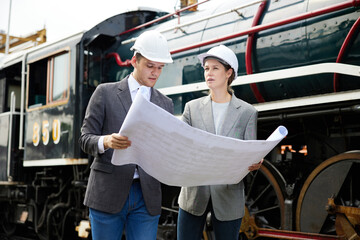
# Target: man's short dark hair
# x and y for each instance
(138, 56)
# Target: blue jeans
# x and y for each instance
(190, 227)
(134, 218)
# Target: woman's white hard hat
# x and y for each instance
(223, 53)
(153, 46)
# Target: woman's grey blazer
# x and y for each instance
(240, 122)
(109, 185)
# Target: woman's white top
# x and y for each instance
(219, 111)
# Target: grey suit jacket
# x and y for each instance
(109, 185)
(240, 122)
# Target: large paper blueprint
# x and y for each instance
(177, 154)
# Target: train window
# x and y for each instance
(59, 77)
(10, 81)
(37, 83)
(48, 80)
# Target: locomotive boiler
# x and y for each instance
(299, 65)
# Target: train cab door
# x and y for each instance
(49, 109)
(10, 155)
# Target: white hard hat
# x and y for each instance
(223, 53)
(153, 46)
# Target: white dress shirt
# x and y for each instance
(219, 112)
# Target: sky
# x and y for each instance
(62, 18)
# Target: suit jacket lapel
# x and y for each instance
(154, 98)
(207, 115)
(124, 94)
(231, 116)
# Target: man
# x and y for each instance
(123, 197)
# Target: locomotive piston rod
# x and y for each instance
(347, 219)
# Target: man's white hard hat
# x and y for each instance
(224, 54)
(153, 46)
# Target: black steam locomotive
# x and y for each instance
(299, 65)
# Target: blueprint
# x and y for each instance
(177, 154)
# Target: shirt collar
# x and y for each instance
(133, 84)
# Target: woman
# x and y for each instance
(223, 114)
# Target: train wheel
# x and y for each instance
(7, 227)
(338, 178)
(264, 201)
(54, 221)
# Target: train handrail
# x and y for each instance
(346, 69)
(343, 49)
(12, 111)
(22, 102)
(214, 15)
(162, 18)
(341, 68)
(256, 29)
(118, 60)
(202, 19)
(248, 51)
(8, 114)
(309, 101)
